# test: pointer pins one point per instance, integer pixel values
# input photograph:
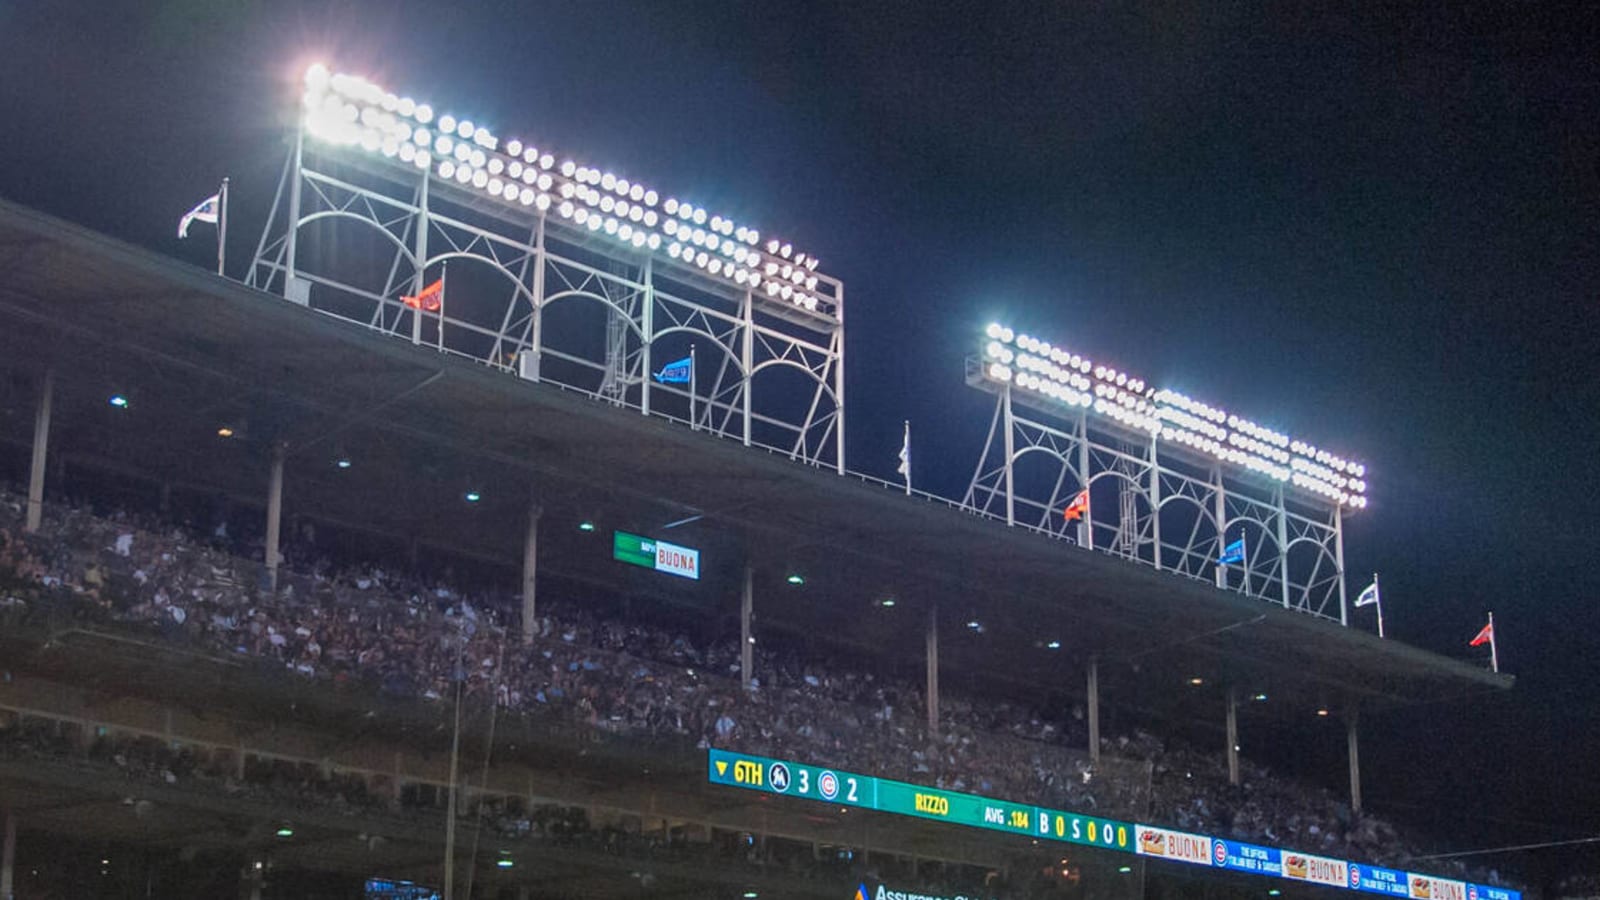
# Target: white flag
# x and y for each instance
(1368, 595)
(206, 211)
(905, 454)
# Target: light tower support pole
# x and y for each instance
(41, 444)
(1338, 561)
(1155, 505)
(1086, 521)
(838, 386)
(1221, 511)
(1283, 545)
(292, 239)
(420, 277)
(1011, 450)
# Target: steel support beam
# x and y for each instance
(530, 570)
(274, 513)
(933, 669)
(1094, 709)
(1233, 736)
(747, 641)
(1351, 723)
(41, 443)
(8, 858)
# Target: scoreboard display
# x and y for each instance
(793, 779)
(899, 798)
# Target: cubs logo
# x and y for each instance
(1220, 853)
(1355, 876)
(829, 784)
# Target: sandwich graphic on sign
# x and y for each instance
(1421, 887)
(1150, 842)
(1294, 866)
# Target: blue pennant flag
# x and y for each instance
(675, 372)
(1233, 553)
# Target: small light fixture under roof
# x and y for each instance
(504, 863)
(750, 895)
(795, 578)
(1197, 681)
(586, 526)
(1259, 698)
(1322, 711)
(975, 625)
(1124, 869)
(1053, 645)
(119, 401)
(225, 432)
(472, 496)
(285, 831)
(342, 462)
(886, 602)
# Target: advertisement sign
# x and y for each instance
(794, 779)
(1174, 845)
(649, 553)
(1247, 857)
(1378, 880)
(1318, 869)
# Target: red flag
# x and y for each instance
(1078, 506)
(1485, 635)
(427, 298)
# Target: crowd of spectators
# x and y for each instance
(406, 636)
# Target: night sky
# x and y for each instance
(1379, 232)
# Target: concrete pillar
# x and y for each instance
(41, 443)
(274, 513)
(1351, 721)
(747, 647)
(1094, 709)
(8, 858)
(530, 571)
(251, 879)
(1233, 736)
(933, 669)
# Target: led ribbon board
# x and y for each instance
(1072, 381)
(350, 111)
(649, 553)
(793, 779)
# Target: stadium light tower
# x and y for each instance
(382, 190)
(1084, 450)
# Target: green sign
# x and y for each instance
(899, 798)
(649, 553)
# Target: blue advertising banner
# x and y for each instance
(1249, 858)
(1378, 880)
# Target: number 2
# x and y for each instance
(851, 796)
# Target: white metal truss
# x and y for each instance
(351, 237)
(1170, 510)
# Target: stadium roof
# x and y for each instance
(194, 352)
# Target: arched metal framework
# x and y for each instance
(351, 235)
(1171, 510)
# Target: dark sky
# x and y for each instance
(1377, 231)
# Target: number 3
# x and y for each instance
(805, 781)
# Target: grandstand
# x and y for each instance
(288, 730)
(316, 586)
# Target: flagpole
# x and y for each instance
(444, 270)
(694, 423)
(1494, 652)
(906, 443)
(1377, 597)
(222, 225)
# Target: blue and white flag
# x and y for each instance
(905, 453)
(676, 372)
(206, 211)
(1233, 553)
(1369, 594)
